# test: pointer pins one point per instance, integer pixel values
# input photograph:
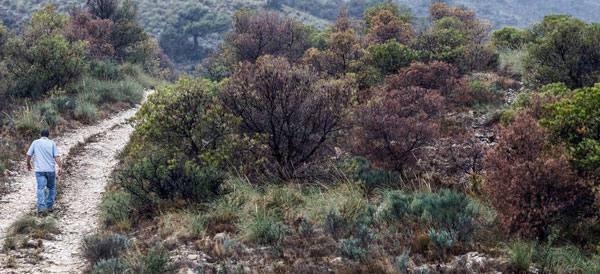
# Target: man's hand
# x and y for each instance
(60, 171)
(29, 167)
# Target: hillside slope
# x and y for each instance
(499, 12)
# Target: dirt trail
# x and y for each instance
(82, 189)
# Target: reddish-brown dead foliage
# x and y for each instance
(531, 185)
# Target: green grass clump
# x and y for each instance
(99, 247)
(116, 209)
(265, 229)
(520, 256)
(29, 122)
(34, 227)
(86, 111)
(156, 261)
(108, 91)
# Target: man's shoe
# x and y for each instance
(50, 210)
(42, 212)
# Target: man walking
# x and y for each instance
(45, 159)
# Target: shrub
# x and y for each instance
(112, 266)
(265, 229)
(289, 107)
(391, 56)
(188, 111)
(100, 247)
(385, 22)
(574, 121)
(445, 210)
(340, 50)
(510, 38)
(85, 111)
(258, 33)
(116, 209)
(394, 126)
(63, 103)
(442, 77)
(571, 39)
(42, 58)
(352, 249)
(155, 180)
(442, 239)
(532, 185)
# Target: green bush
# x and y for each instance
(265, 229)
(445, 210)
(390, 56)
(85, 111)
(116, 208)
(574, 121)
(109, 266)
(352, 249)
(442, 239)
(156, 180)
(99, 247)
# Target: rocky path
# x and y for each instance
(93, 151)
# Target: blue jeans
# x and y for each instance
(45, 179)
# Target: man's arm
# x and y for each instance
(59, 163)
(30, 152)
(29, 167)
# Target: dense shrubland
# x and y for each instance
(63, 70)
(368, 147)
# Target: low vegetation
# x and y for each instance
(381, 149)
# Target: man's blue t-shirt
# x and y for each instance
(43, 151)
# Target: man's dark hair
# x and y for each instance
(45, 133)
